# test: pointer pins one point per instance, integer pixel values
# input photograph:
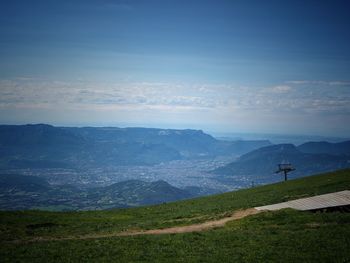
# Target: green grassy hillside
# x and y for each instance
(293, 236)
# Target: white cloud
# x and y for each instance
(21, 92)
(166, 102)
(280, 89)
(319, 82)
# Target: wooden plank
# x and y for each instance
(315, 202)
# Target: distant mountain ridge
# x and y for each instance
(36, 134)
(341, 148)
(136, 192)
(189, 143)
(46, 146)
(260, 165)
(20, 192)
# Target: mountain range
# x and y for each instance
(46, 146)
(309, 158)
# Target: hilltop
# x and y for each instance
(23, 192)
(292, 235)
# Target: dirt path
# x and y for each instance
(172, 230)
(196, 227)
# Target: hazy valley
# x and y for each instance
(89, 168)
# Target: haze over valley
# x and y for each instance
(88, 168)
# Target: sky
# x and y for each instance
(220, 66)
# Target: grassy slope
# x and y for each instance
(287, 234)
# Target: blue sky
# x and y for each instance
(229, 66)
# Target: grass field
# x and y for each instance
(282, 236)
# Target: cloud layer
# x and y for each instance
(225, 106)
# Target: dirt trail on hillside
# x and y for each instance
(172, 230)
(196, 227)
